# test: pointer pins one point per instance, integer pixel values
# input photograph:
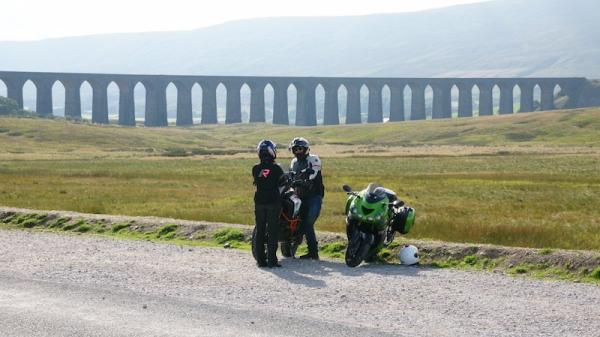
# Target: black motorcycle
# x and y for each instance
(289, 220)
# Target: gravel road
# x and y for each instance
(60, 285)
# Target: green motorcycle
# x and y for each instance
(373, 216)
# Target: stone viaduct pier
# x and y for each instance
(306, 105)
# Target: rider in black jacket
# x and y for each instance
(267, 203)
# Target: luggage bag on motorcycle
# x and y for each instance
(403, 220)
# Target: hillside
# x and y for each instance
(574, 128)
(498, 38)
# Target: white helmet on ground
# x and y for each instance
(409, 255)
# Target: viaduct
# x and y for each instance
(156, 102)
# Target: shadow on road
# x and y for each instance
(312, 273)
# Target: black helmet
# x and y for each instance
(299, 147)
(267, 150)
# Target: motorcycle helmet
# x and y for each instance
(299, 147)
(267, 150)
(409, 255)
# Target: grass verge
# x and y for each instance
(535, 263)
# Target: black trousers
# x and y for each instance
(267, 221)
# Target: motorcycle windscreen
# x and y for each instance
(374, 193)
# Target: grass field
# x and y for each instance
(524, 180)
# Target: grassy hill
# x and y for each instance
(574, 128)
(521, 180)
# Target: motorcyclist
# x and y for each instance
(267, 203)
(311, 192)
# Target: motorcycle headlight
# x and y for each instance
(370, 219)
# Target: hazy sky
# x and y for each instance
(39, 19)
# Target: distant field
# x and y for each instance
(524, 180)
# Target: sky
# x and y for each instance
(41, 19)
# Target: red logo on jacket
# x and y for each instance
(264, 173)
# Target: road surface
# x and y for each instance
(70, 285)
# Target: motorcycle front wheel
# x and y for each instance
(358, 248)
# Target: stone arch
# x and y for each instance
(196, 93)
(407, 91)
(58, 98)
(38, 82)
(428, 101)
(342, 93)
(292, 93)
(475, 94)
(269, 95)
(245, 101)
(29, 95)
(537, 98)
(113, 95)
(171, 97)
(320, 102)
(516, 98)
(86, 94)
(139, 100)
(557, 89)
(364, 102)
(221, 102)
(495, 99)
(560, 98)
(386, 99)
(3, 88)
(454, 93)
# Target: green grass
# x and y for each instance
(167, 230)
(526, 200)
(468, 262)
(119, 226)
(73, 226)
(334, 249)
(544, 199)
(230, 235)
(84, 228)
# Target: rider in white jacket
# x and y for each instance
(311, 193)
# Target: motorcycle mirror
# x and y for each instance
(347, 188)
